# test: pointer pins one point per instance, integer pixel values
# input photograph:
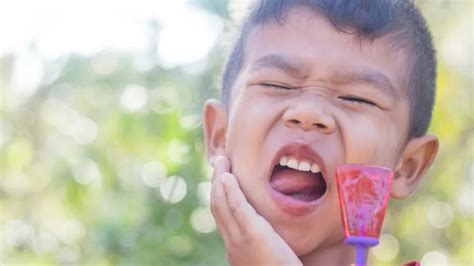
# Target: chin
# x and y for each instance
(299, 240)
(302, 242)
(302, 248)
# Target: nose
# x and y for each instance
(309, 115)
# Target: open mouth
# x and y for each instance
(299, 179)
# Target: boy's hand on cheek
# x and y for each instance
(249, 239)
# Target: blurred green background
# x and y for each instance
(102, 157)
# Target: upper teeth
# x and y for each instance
(303, 165)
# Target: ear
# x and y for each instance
(215, 127)
(416, 159)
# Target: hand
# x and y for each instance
(249, 239)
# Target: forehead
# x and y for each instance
(319, 50)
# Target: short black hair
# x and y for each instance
(368, 20)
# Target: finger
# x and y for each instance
(245, 215)
(219, 168)
(215, 209)
(221, 165)
(221, 212)
(221, 230)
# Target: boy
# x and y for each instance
(311, 85)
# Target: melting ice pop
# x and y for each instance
(363, 194)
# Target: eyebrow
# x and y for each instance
(281, 63)
(367, 77)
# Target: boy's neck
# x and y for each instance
(337, 254)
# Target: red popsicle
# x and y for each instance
(363, 194)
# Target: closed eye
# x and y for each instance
(276, 86)
(358, 100)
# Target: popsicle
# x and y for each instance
(363, 194)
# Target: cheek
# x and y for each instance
(388, 145)
(372, 141)
(247, 130)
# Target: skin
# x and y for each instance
(303, 82)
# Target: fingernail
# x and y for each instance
(216, 161)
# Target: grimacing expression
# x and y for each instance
(311, 93)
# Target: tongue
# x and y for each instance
(299, 184)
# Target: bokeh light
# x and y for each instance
(17, 233)
(84, 131)
(174, 189)
(202, 31)
(134, 98)
(153, 174)
(16, 183)
(465, 200)
(86, 172)
(440, 214)
(387, 249)
(178, 151)
(45, 242)
(26, 65)
(202, 220)
(434, 258)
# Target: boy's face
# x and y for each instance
(309, 92)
